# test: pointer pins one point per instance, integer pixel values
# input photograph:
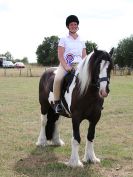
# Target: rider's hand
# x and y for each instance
(68, 68)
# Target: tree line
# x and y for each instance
(47, 51)
(123, 54)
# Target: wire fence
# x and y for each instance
(38, 71)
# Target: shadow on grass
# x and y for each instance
(43, 162)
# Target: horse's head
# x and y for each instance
(95, 71)
(101, 70)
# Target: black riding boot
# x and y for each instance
(58, 107)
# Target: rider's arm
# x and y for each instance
(61, 51)
(84, 53)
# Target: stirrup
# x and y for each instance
(58, 107)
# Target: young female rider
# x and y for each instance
(70, 49)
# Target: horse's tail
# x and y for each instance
(50, 127)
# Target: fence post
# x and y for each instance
(20, 72)
(30, 73)
(27, 72)
(5, 72)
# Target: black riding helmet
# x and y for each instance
(72, 18)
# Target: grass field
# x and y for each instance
(20, 125)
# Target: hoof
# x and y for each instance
(74, 164)
(97, 160)
(58, 143)
(41, 144)
(92, 160)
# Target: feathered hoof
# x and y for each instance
(74, 164)
(43, 144)
(58, 143)
(91, 160)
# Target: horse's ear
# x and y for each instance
(111, 52)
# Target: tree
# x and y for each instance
(90, 46)
(124, 53)
(8, 56)
(47, 51)
(25, 60)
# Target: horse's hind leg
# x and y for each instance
(56, 136)
(89, 149)
(52, 128)
(42, 141)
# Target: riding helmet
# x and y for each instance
(72, 18)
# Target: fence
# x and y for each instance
(122, 71)
(37, 72)
(22, 72)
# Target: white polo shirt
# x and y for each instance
(73, 49)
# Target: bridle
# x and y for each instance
(103, 79)
(97, 83)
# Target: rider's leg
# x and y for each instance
(57, 87)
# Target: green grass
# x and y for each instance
(20, 125)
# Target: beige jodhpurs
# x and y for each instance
(60, 73)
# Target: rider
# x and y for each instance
(70, 49)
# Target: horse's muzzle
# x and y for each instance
(103, 93)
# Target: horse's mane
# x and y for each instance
(85, 74)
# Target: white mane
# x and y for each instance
(84, 75)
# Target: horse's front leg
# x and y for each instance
(89, 149)
(74, 159)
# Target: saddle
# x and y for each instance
(65, 87)
(68, 79)
(67, 82)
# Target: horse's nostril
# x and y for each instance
(103, 93)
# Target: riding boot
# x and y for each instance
(58, 107)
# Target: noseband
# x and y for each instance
(97, 84)
(103, 79)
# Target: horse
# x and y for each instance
(82, 99)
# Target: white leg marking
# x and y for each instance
(90, 154)
(74, 159)
(42, 141)
(56, 136)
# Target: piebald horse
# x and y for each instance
(82, 100)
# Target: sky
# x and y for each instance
(25, 23)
